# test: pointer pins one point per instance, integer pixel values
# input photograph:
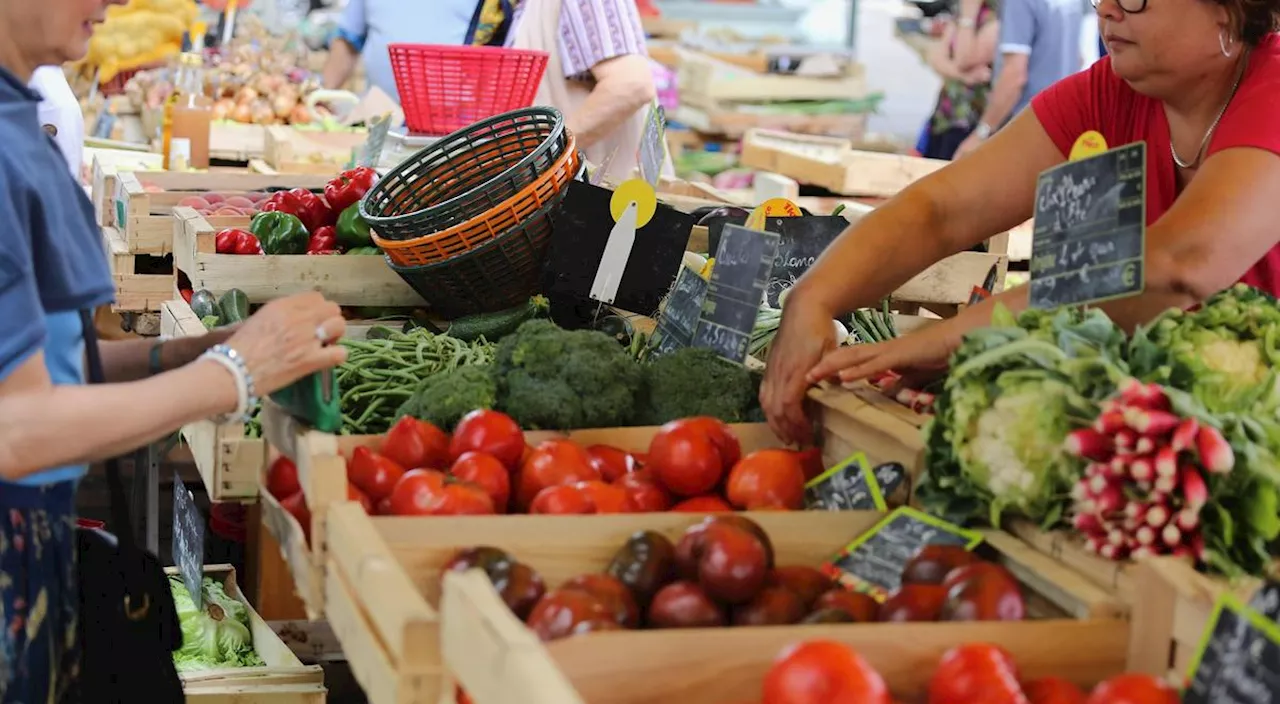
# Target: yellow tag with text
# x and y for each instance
(1091, 143)
(772, 208)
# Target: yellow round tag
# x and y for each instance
(639, 191)
(1091, 143)
(772, 208)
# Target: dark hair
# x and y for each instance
(1252, 19)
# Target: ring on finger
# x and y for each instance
(322, 335)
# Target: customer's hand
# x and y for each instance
(976, 76)
(804, 336)
(282, 343)
(919, 357)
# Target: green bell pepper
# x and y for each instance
(364, 250)
(280, 233)
(353, 231)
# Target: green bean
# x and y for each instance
(863, 334)
(888, 317)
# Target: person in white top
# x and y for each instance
(60, 114)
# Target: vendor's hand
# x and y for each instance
(966, 147)
(281, 342)
(804, 336)
(976, 76)
(919, 357)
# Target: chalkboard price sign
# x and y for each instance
(1239, 658)
(890, 476)
(874, 562)
(848, 486)
(738, 279)
(1090, 226)
(188, 540)
(801, 241)
(1266, 601)
(679, 318)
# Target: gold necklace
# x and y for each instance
(1209, 132)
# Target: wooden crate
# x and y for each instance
(1171, 615)
(237, 142)
(833, 164)
(863, 419)
(139, 288)
(107, 163)
(294, 151)
(732, 121)
(282, 680)
(145, 218)
(357, 280)
(1068, 548)
(497, 660)
(707, 83)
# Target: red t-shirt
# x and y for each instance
(1097, 99)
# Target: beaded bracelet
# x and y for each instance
(247, 395)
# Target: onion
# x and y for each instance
(246, 95)
(223, 108)
(262, 114)
(242, 113)
(301, 115)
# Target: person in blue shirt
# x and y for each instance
(52, 424)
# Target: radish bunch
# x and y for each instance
(918, 401)
(1143, 489)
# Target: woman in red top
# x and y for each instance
(1198, 80)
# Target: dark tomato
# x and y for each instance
(413, 444)
(720, 433)
(426, 492)
(811, 463)
(1053, 690)
(613, 593)
(644, 564)
(861, 607)
(552, 463)
(562, 500)
(767, 480)
(610, 462)
(607, 498)
(823, 672)
(492, 432)
(989, 595)
(807, 582)
(966, 573)
(383, 508)
(773, 606)
(354, 494)
(373, 473)
(692, 545)
(558, 614)
(646, 495)
(521, 588)
(703, 504)
(1133, 689)
(296, 505)
(490, 559)
(489, 473)
(733, 564)
(685, 460)
(934, 562)
(914, 602)
(976, 672)
(282, 479)
(684, 605)
(828, 616)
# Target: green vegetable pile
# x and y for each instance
(695, 382)
(216, 635)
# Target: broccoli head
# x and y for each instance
(443, 399)
(554, 379)
(696, 382)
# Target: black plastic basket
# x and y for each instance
(498, 275)
(466, 173)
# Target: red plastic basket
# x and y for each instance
(445, 88)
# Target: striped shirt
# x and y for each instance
(592, 31)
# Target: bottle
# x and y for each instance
(192, 112)
(166, 119)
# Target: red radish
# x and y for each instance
(1137, 510)
(1151, 422)
(1158, 516)
(1080, 491)
(1171, 535)
(1110, 422)
(1184, 436)
(1215, 453)
(1197, 546)
(1086, 523)
(1141, 470)
(1093, 545)
(1183, 551)
(1109, 500)
(1140, 395)
(1194, 491)
(1125, 440)
(1146, 535)
(1089, 444)
(1114, 552)
(1116, 537)
(1144, 446)
(1166, 462)
(1187, 520)
(1142, 553)
(1165, 485)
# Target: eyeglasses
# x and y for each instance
(1130, 7)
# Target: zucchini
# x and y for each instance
(234, 305)
(209, 322)
(617, 327)
(364, 251)
(492, 326)
(204, 305)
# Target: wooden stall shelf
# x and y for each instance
(734, 121)
(834, 164)
(863, 419)
(104, 169)
(1068, 548)
(289, 150)
(137, 289)
(355, 280)
(498, 661)
(283, 679)
(237, 142)
(706, 82)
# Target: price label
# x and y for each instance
(188, 540)
(736, 291)
(371, 153)
(1089, 230)
(653, 149)
(849, 486)
(801, 241)
(1238, 660)
(679, 318)
(873, 563)
(1266, 601)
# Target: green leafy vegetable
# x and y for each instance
(216, 635)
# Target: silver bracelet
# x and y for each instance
(247, 397)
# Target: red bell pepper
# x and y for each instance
(349, 187)
(186, 294)
(302, 204)
(324, 240)
(234, 240)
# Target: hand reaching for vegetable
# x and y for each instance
(918, 357)
(804, 336)
(281, 342)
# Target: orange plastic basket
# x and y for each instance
(491, 224)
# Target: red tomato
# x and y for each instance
(426, 492)
(685, 459)
(492, 432)
(354, 494)
(1133, 689)
(562, 500)
(703, 504)
(486, 471)
(383, 508)
(767, 479)
(282, 479)
(552, 463)
(1053, 690)
(720, 433)
(976, 672)
(811, 462)
(607, 498)
(823, 672)
(373, 473)
(414, 444)
(646, 495)
(610, 462)
(297, 506)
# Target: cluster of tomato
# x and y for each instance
(830, 672)
(950, 583)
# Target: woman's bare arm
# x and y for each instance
(624, 84)
(981, 52)
(130, 360)
(939, 55)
